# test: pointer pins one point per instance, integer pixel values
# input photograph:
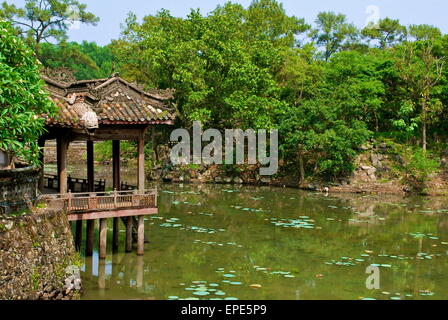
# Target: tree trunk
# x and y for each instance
(424, 142)
(301, 168)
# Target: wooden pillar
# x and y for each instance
(141, 236)
(62, 147)
(90, 166)
(140, 272)
(41, 143)
(78, 235)
(141, 162)
(103, 238)
(117, 187)
(91, 181)
(128, 234)
(102, 276)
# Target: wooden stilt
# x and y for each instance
(90, 166)
(128, 234)
(103, 238)
(140, 271)
(89, 267)
(91, 182)
(141, 163)
(141, 236)
(90, 237)
(62, 146)
(41, 143)
(78, 239)
(115, 234)
(102, 275)
(117, 187)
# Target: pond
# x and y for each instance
(231, 242)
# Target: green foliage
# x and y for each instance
(421, 166)
(328, 89)
(221, 65)
(43, 20)
(386, 33)
(87, 60)
(103, 150)
(22, 97)
(333, 33)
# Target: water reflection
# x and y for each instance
(272, 243)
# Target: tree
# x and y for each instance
(387, 32)
(268, 20)
(421, 70)
(222, 73)
(424, 32)
(42, 20)
(333, 33)
(338, 115)
(23, 99)
(86, 60)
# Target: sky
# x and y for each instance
(113, 12)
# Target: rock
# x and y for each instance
(366, 147)
(228, 180)
(376, 160)
(265, 180)
(238, 181)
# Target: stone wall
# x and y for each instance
(76, 153)
(18, 189)
(35, 251)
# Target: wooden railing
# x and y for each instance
(108, 201)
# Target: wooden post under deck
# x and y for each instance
(117, 187)
(141, 162)
(103, 238)
(128, 234)
(62, 147)
(141, 236)
(41, 143)
(141, 188)
(91, 182)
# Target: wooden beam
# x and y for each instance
(78, 235)
(102, 276)
(141, 236)
(117, 187)
(116, 164)
(112, 214)
(115, 235)
(41, 143)
(62, 147)
(90, 166)
(103, 238)
(140, 272)
(89, 237)
(141, 162)
(91, 181)
(128, 234)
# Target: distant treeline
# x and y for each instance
(328, 87)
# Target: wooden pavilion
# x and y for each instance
(99, 110)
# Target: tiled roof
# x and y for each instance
(112, 100)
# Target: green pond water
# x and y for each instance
(229, 242)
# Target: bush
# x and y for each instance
(23, 99)
(421, 166)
